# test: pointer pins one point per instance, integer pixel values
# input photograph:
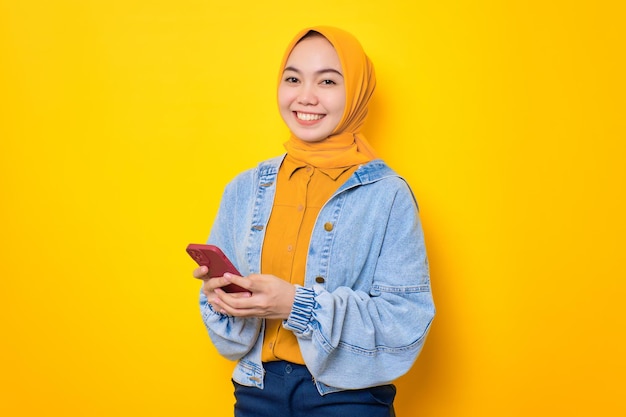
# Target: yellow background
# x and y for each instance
(122, 120)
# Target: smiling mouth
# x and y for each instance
(308, 117)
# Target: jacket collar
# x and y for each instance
(367, 173)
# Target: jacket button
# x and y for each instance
(328, 226)
(320, 280)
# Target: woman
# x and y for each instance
(330, 244)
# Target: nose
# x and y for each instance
(307, 95)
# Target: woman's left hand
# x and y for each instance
(270, 297)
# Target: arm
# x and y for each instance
(232, 336)
(370, 332)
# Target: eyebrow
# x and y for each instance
(322, 71)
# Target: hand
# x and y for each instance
(269, 297)
(211, 284)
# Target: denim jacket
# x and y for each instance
(365, 308)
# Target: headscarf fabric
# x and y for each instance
(346, 145)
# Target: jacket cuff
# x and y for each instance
(301, 311)
(207, 309)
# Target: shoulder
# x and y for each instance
(378, 178)
(378, 174)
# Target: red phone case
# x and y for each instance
(213, 258)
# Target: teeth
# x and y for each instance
(308, 116)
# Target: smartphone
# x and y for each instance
(213, 258)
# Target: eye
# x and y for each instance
(328, 82)
(291, 80)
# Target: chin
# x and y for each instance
(310, 135)
(311, 139)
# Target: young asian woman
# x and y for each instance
(329, 241)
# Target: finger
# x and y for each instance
(215, 283)
(234, 304)
(237, 305)
(231, 311)
(242, 282)
(226, 303)
(217, 303)
(240, 294)
(200, 272)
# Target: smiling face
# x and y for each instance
(312, 94)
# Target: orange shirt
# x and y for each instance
(301, 191)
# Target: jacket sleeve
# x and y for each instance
(371, 333)
(233, 337)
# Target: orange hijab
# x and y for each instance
(346, 146)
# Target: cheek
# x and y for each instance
(338, 102)
(284, 98)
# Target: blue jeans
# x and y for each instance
(290, 392)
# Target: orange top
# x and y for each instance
(308, 177)
(301, 192)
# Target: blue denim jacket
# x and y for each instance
(365, 308)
